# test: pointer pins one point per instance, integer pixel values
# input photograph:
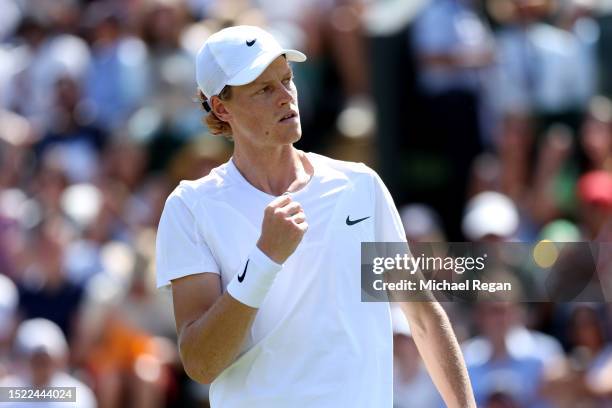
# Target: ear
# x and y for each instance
(220, 109)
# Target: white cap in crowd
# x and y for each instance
(237, 56)
(41, 335)
(490, 213)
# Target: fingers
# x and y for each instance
(291, 209)
(280, 201)
(288, 209)
(299, 217)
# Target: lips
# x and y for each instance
(288, 116)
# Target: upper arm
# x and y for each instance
(192, 296)
(181, 249)
(389, 226)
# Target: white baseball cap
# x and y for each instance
(237, 56)
(490, 213)
(41, 335)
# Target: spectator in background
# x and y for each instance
(47, 185)
(119, 339)
(114, 84)
(43, 58)
(506, 357)
(15, 175)
(454, 51)
(71, 138)
(578, 18)
(91, 211)
(518, 341)
(581, 380)
(16, 136)
(169, 76)
(550, 191)
(546, 77)
(596, 134)
(542, 68)
(45, 290)
(126, 162)
(44, 350)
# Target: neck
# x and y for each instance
(274, 171)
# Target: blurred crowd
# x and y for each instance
(490, 121)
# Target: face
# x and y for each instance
(264, 113)
(42, 367)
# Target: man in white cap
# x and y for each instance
(43, 346)
(267, 304)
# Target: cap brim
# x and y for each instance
(259, 65)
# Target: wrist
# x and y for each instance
(252, 283)
(268, 253)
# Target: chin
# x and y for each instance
(296, 137)
(291, 137)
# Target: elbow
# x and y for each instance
(197, 366)
(200, 376)
(198, 372)
(425, 317)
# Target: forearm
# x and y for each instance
(211, 343)
(438, 346)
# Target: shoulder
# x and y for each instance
(552, 40)
(327, 165)
(355, 174)
(190, 192)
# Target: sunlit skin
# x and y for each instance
(255, 109)
(263, 141)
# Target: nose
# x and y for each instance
(284, 95)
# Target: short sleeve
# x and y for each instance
(180, 249)
(388, 227)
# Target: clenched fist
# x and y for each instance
(282, 229)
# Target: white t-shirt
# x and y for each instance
(313, 342)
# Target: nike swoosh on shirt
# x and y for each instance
(353, 222)
(243, 274)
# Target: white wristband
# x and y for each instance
(251, 284)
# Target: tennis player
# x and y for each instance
(263, 254)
